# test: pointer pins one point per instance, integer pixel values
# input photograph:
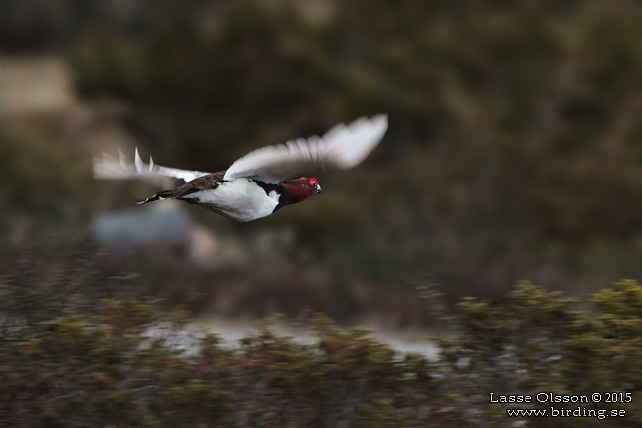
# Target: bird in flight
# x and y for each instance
(261, 182)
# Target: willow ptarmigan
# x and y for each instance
(260, 182)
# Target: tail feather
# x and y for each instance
(165, 194)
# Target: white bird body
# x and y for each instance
(260, 182)
(240, 199)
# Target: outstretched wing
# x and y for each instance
(342, 147)
(121, 168)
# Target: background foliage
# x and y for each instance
(513, 149)
(116, 357)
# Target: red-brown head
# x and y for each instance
(294, 191)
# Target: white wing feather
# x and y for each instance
(342, 147)
(110, 168)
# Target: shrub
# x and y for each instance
(78, 359)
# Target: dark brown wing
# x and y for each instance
(210, 181)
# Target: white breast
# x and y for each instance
(240, 199)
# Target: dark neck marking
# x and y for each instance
(268, 187)
(272, 187)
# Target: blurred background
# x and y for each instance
(513, 154)
(513, 150)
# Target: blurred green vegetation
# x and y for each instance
(513, 150)
(77, 350)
